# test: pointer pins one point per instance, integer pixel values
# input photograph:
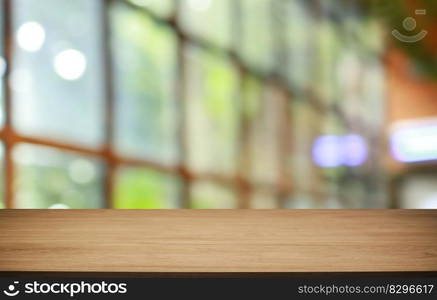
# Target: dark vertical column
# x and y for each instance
(242, 144)
(9, 140)
(109, 157)
(182, 109)
(282, 97)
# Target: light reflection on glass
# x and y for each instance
(59, 206)
(82, 171)
(49, 100)
(70, 64)
(31, 36)
(414, 144)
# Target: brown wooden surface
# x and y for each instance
(218, 241)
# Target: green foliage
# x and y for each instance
(142, 189)
(148, 48)
(220, 86)
(252, 91)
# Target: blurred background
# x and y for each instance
(155, 104)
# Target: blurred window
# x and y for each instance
(50, 178)
(208, 195)
(56, 78)
(257, 39)
(209, 20)
(158, 104)
(137, 188)
(144, 75)
(212, 110)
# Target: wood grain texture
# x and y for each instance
(218, 241)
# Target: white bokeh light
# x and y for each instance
(59, 206)
(70, 64)
(31, 36)
(82, 171)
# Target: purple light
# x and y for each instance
(330, 151)
(327, 151)
(355, 150)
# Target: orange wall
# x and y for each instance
(409, 96)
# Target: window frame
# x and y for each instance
(239, 182)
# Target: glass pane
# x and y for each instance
(300, 24)
(208, 19)
(306, 175)
(373, 93)
(162, 8)
(206, 195)
(145, 70)
(49, 178)
(257, 35)
(251, 99)
(56, 76)
(138, 188)
(265, 136)
(212, 114)
(327, 50)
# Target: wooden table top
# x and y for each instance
(218, 241)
